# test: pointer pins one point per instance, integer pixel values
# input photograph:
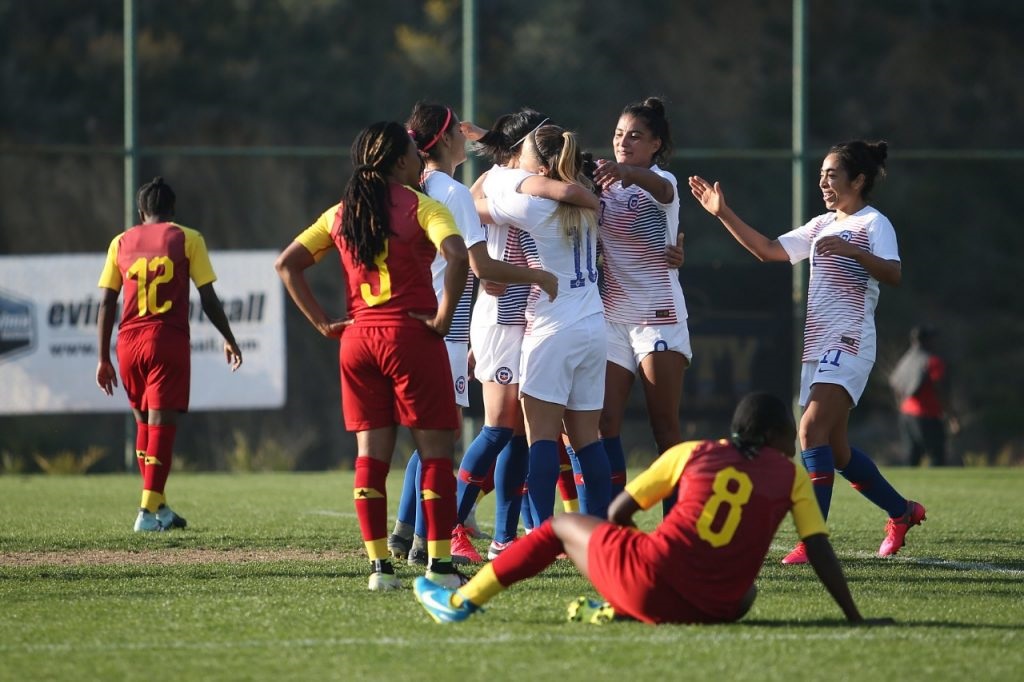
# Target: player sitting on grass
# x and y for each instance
(700, 563)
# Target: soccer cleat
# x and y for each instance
(384, 582)
(896, 529)
(463, 551)
(418, 552)
(797, 556)
(437, 600)
(584, 610)
(473, 528)
(168, 519)
(444, 573)
(496, 548)
(147, 522)
(399, 547)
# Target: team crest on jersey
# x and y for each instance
(634, 201)
(503, 376)
(846, 235)
(460, 385)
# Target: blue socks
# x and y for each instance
(866, 479)
(617, 462)
(597, 479)
(509, 477)
(542, 479)
(409, 501)
(476, 463)
(822, 469)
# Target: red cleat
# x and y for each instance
(896, 529)
(463, 551)
(797, 556)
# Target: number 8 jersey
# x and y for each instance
(154, 262)
(714, 540)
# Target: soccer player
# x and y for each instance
(700, 563)
(153, 262)
(394, 367)
(643, 300)
(852, 248)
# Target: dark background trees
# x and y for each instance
(938, 75)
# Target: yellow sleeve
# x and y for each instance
(435, 218)
(657, 482)
(200, 270)
(806, 512)
(317, 237)
(110, 278)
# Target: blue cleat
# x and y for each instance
(437, 600)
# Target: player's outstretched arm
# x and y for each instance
(556, 190)
(215, 313)
(830, 573)
(712, 199)
(106, 376)
(492, 270)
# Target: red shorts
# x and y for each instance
(155, 364)
(623, 569)
(396, 375)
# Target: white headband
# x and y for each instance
(523, 138)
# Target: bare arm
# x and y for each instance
(215, 312)
(885, 271)
(453, 249)
(712, 198)
(622, 509)
(556, 190)
(830, 573)
(610, 172)
(291, 266)
(487, 268)
(106, 377)
(477, 190)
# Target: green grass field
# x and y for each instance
(268, 583)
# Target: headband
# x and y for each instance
(523, 138)
(447, 120)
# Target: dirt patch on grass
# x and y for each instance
(150, 557)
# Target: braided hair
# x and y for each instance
(365, 220)
(156, 198)
(759, 418)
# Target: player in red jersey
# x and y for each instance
(394, 366)
(154, 262)
(700, 563)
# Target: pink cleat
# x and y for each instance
(463, 551)
(896, 529)
(797, 556)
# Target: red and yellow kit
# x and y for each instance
(699, 562)
(153, 263)
(394, 369)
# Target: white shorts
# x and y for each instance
(567, 367)
(836, 367)
(628, 344)
(458, 358)
(496, 349)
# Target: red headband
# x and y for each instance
(447, 120)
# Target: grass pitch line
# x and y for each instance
(923, 561)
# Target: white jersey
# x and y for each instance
(637, 287)
(459, 201)
(841, 295)
(572, 260)
(505, 243)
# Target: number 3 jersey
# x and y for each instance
(154, 262)
(714, 541)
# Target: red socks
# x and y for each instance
(159, 454)
(528, 555)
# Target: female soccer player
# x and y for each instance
(394, 367)
(700, 563)
(561, 379)
(438, 135)
(643, 300)
(154, 262)
(852, 248)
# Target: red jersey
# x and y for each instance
(926, 402)
(714, 541)
(154, 262)
(400, 281)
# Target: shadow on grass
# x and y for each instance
(840, 623)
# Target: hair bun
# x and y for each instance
(157, 181)
(656, 104)
(879, 151)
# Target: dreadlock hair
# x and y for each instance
(858, 157)
(427, 123)
(559, 150)
(759, 418)
(652, 112)
(156, 198)
(365, 220)
(501, 143)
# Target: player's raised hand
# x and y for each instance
(472, 131)
(233, 354)
(608, 173)
(106, 377)
(711, 197)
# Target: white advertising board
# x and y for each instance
(48, 335)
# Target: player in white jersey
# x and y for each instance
(852, 249)
(438, 135)
(643, 299)
(564, 346)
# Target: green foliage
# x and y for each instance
(269, 583)
(68, 462)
